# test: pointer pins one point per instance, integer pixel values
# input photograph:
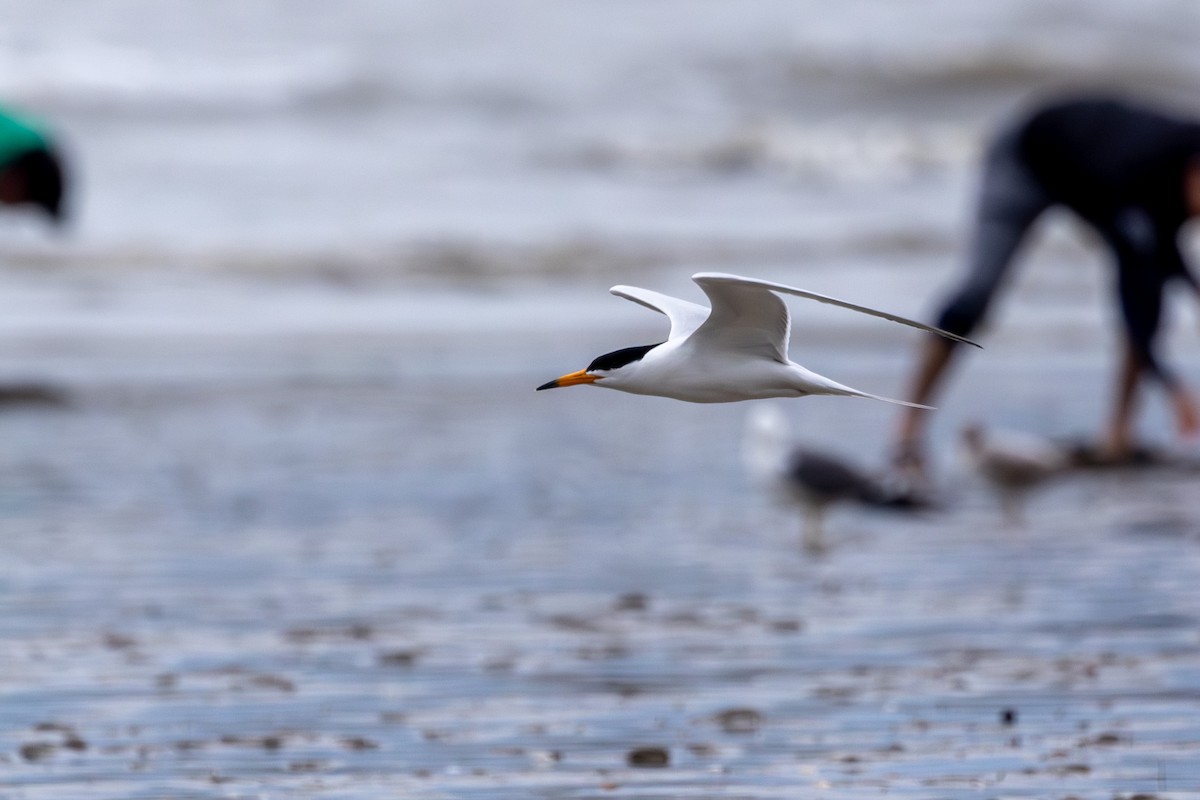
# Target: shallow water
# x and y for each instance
(461, 139)
(355, 563)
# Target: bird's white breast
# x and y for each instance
(686, 373)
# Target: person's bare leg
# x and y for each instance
(935, 356)
(1010, 200)
(1118, 438)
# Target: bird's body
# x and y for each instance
(819, 478)
(735, 350)
(811, 478)
(1014, 464)
(686, 370)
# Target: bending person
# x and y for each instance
(31, 169)
(1130, 172)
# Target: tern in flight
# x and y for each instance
(735, 350)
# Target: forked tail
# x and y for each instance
(894, 401)
(819, 384)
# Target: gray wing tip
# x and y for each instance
(725, 277)
(958, 338)
(894, 401)
(721, 276)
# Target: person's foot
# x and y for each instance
(1114, 450)
(1112, 454)
(909, 469)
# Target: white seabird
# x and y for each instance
(735, 350)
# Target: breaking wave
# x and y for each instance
(473, 261)
(789, 149)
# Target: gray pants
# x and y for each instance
(1010, 200)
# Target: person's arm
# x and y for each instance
(1147, 258)
(1187, 417)
(1118, 438)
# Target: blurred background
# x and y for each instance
(296, 524)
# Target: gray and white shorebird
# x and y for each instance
(735, 350)
(1013, 464)
(814, 479)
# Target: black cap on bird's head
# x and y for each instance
(608, 362)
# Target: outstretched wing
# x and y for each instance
(738, 292)
(745, 317)
(685, 316)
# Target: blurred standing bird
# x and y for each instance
(1013, 464)
(811, 478)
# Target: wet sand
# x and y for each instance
(364, 562)
(299, 526)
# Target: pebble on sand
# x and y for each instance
(739, 720)
(648, 757)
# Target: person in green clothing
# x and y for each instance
(31, 173)
(31, 168)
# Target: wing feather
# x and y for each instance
(719, 286)
(684, 315)
(745, 318)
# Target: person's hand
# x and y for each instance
(1187, 418)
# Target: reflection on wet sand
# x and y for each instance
(393, 581)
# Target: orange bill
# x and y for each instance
(582, 376)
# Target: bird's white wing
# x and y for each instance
(738, 292)
(684, 315)
(746, 317)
